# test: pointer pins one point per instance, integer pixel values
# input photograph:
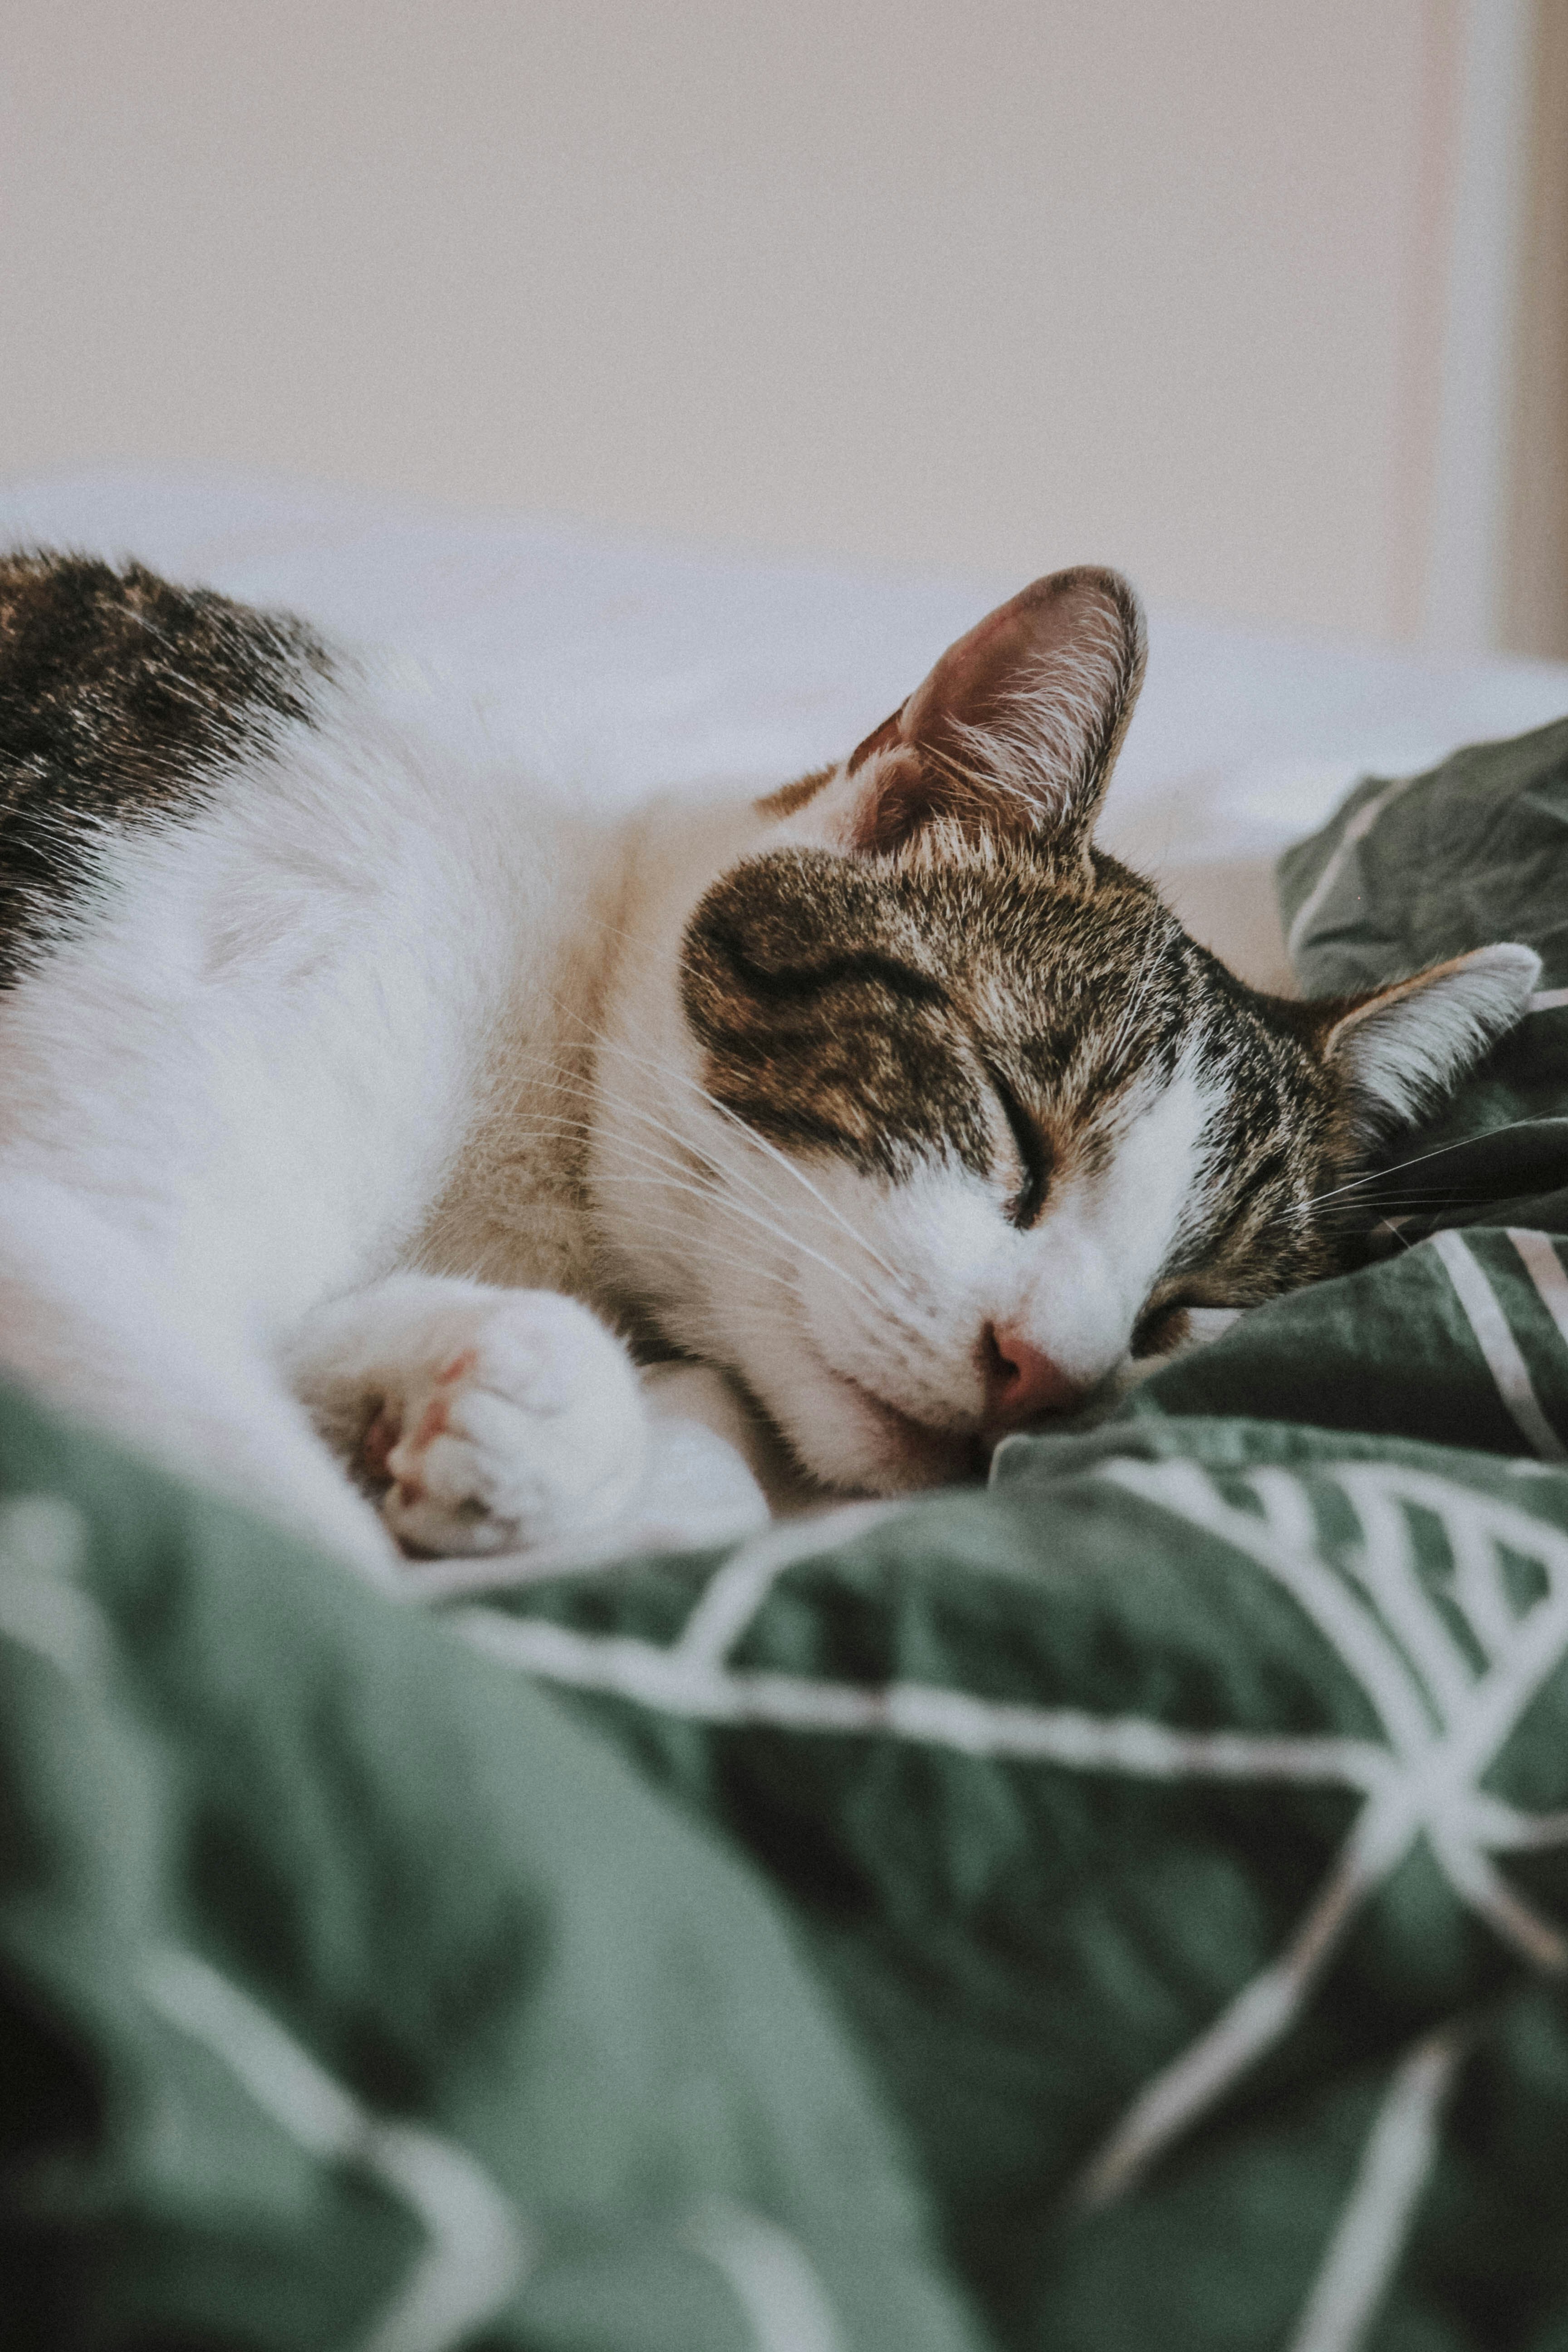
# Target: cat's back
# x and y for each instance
(125, 703)
(259, 920)
(241, 802)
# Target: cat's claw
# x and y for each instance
(529, 1430)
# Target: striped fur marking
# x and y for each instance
(122, 701)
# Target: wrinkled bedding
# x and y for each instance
(1123, 1910)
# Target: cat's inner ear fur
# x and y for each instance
(1403, 1048)
(1013, 732)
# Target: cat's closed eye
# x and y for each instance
(1034, 1156)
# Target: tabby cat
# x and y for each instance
(359, 1085)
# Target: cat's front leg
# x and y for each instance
(489, 1420)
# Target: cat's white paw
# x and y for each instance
(531, 1429)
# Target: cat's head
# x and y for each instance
(949, 1116)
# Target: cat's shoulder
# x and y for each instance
(118, 687)
(124, 699)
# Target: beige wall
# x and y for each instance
(980, 283)
(1535, 614)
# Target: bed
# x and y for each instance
(1126, 1907)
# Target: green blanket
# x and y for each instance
(1123, 1911)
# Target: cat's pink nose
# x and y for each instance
(1021, 1381)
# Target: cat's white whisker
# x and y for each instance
(698, 1152)
(718, 1198)
(751, 1267)
(1378, 1175)
(752, 1138)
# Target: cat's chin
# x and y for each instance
(853, 1439)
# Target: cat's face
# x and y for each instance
(960, 1118)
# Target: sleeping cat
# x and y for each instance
(357, 1083)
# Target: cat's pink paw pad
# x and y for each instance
(532, 1432)
(376, 1444)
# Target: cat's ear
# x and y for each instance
(1403, 1048)
(1013, 732)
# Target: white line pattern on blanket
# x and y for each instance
(1445, 1711)
(42, 1542)
(1497, 1343)
(1544, 1268)
(478, 2250)
(1359, 826)
(740, 1589)
(1363, 2252)
(769, 2274)
(922, 1712)
(1446, 1732)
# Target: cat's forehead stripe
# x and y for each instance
(799, 983)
